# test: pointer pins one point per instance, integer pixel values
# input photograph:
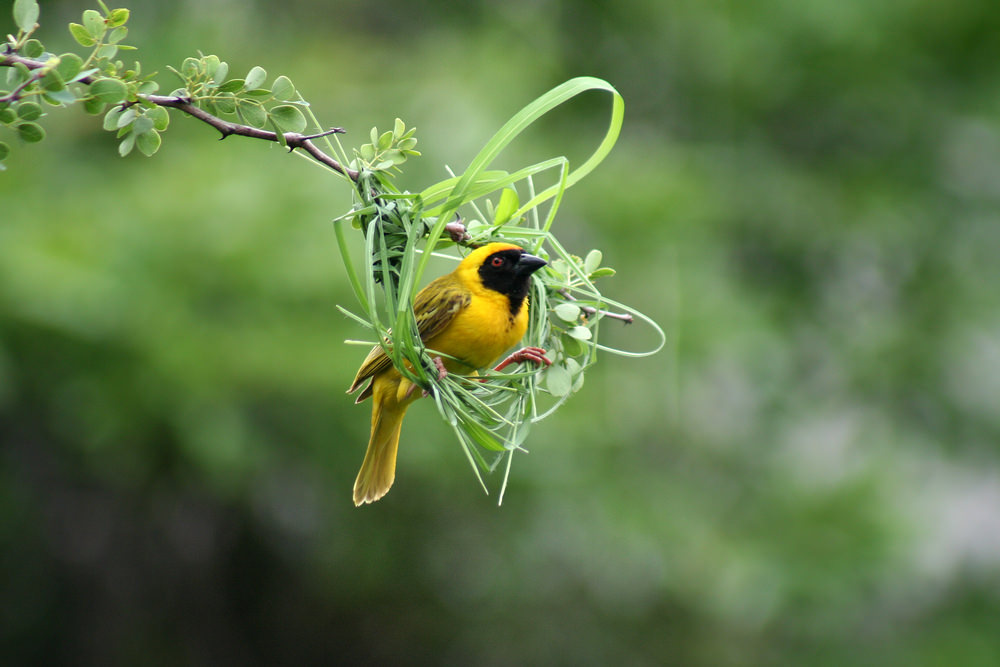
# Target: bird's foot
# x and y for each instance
(442, 373)
(535, 355)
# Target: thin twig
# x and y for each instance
(15, 95)
(590, 310)
(185, 105)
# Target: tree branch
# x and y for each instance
(291, 139)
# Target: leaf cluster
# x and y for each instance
(105, 85)
(95, 78)
(205, 82)
(387, 150)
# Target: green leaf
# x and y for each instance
(385, 141)
(592, 261)
(52, 82)
(111, 118)
(398, 128)
(4, 150)
(212, 63)
(81, 35)
(29, 111)
(232, 86)
(602, 272)
(558, 380)
(506, 207)
(127, 144)
(93, 106)
(191, 68)
(25, 14)
(7, 116)
(283, 88)
(109, 91)
(142, 125)
(226, 103)
(255, 78)
(107, 51)
(94, 23)
(568, 312)
(254, 114)
(118, 17)
(33, 48)
(572, 347)
(127, 117)
(221, 72)
(148, 142)
(559, 267)
(580, 333)
(31, 133)
(69, 66)
(62, 97)
(288, 118)
(160, 118)
(117, 35)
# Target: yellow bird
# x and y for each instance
(473, 314)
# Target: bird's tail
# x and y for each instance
(378, 470)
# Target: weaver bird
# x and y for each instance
(472, 315)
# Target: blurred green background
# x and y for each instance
(805, 195)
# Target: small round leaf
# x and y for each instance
(254, 114)
(568, 312)
(572, 347)
(93, 106)
(592, 261)
(4, 150)
(127, 144)
(94, 23)
(558, 380)
(148, 142)
(29, 111)
(69, 66)
(31, 133)
(33, 48)
(52, 82)
(283, 88)
(118, 17)
(109, 91)
(81, 35)
(160, 118)
(255, 78)
(25, 14)
(288, 118)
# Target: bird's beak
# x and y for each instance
(528, 264)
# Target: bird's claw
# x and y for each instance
(535, 355)
(442, 373)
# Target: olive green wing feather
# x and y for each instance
(435, 308)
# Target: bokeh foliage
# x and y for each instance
(804, 194)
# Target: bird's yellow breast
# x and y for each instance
(481, 331)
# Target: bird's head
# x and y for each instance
(504, 268)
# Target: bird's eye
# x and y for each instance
(497, 262)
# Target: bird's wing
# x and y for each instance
(435, 308)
